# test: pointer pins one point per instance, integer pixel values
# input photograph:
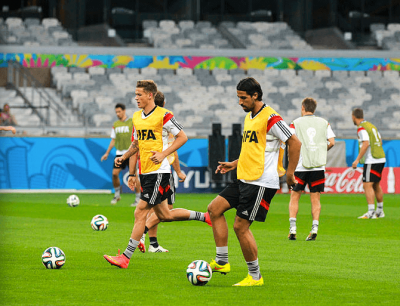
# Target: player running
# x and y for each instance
(120, 138)
(155, 171)
(313, 132)
(173, 160)
(257, 179)
(371, 154)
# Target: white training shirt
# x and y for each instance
(369, 159)
(171, 126)
(300, 167)
(278, 132)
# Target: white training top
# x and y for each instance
(300, 167)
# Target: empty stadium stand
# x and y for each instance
(199, 98)
(388, 38)
(34, 32)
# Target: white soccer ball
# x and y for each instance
(199, 273)
(53, 258)
(99, 223)
(73, 200)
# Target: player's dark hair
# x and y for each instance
(120, 105)
(309, 105)
(148, 86)
(250, 86)
(159, 99)
(358, 113)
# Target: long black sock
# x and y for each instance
(146, 229)
(154, 242)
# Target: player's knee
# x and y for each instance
(212, 209)
(237, 228)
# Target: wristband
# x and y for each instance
(131, 175)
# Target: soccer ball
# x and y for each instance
(99, 223)
(53, 258)
(73, 200)
(199, 273)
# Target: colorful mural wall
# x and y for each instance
(198, 62)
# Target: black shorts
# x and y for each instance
(251, 201)
(155, 187)
(373, 172)
(314, 179)
(123, 165)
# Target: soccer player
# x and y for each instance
(173, 159)
(257, 179)
(120, 138)
(155, 170)
(371, 154)
(317, 138)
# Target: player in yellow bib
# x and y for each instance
(154, 168)
(373, 157)
(257, 179)
(173, 160)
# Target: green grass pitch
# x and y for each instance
(352, 262)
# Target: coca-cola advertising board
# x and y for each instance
(349, 180)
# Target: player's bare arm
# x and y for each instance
(132, 171)
(110, 146)
(225, 167)
(294, 146)
(180, 140)
(331, 143)
(177, 168)
(363, 150)
(8, 128)
(133, 149)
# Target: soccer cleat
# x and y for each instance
(141, 245)
(158, 249)
(368, 215)
(380, 214)
(313, 234)
(223, 269)
(121, 261)
(249, 281)
(207, 219)
(292, 233)
(115, 200)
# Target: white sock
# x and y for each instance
(196, 215)
(292, 222)
(371, 208)
(254, 269)
(222, 255)
(315, 224)
(379, 206)
(117, 191)
(131, 248)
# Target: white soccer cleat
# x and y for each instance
(158, 249)
(115, 200)
(368, 215)
(313, 234)
(380, 214)
(292, 233)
